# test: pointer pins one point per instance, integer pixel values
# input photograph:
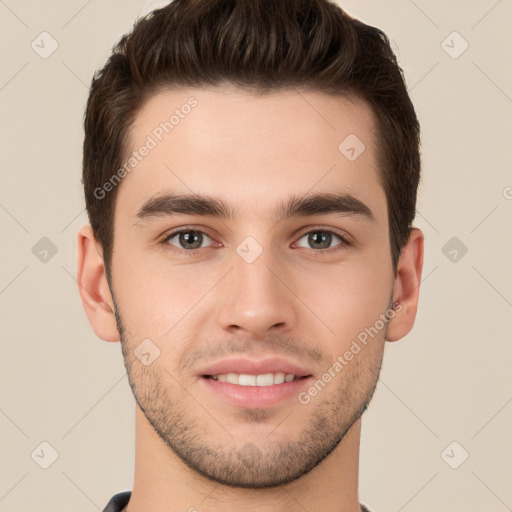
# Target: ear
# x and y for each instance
(406, 288)
(93, 286)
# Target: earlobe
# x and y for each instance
(93, 286)
(406, 288)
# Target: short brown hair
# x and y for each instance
(258, 45)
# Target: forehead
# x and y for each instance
(251, 151)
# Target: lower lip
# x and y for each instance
(256, 396)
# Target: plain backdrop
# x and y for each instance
(437, 436)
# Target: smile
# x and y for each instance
(244, 379)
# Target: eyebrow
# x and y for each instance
(169, 204)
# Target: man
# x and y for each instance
(250, 173)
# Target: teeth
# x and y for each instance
(246, 380)
(266, 379)
(278, 378)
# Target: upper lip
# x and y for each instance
(253, 367)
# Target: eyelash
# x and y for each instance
(194, 252)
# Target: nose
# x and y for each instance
(258, 299)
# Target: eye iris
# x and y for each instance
(320, 239)
(314, 238)
(188, 237)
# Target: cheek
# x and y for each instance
(150, 301)
(161, 301)
(347, 298)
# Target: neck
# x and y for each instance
(164, 482)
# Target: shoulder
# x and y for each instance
(119, 501)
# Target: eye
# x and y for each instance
(322, 239)
(187, 240)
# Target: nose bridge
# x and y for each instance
(256, 300)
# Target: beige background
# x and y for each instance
(448, 380)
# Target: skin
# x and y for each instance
(252, 152)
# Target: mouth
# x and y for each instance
(255, 391)
(252, 372)
(260, 380)
(254, 384)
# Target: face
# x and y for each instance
(276, 267)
